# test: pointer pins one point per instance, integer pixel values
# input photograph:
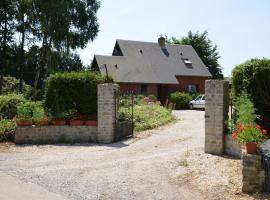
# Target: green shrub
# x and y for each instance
(7, 130)
(253, 77)
(147, 116)
(244, 110)
(152, 97)
(30, 111)
(181, 99)
(12, 85)
(194, 95)
(72, 91)
(9, 104)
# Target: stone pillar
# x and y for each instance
(106, 112)
(216, 115)
(253, 174)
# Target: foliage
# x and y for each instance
(9, 104)
(69, 92)
(7, 130)
(147, 116)
(194, 95)
(249, 133)
(253, 77)
(152, 98)
(205, 49)
(11, 85)
(51, 30)
(245, 111)
(7, 28)
(181, 99)
(25, 111)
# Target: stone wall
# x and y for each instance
(253, 174)
(55, 134)
(107, 112)
(216, 115)
(232, 148)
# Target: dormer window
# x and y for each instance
(187, 62)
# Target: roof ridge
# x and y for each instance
(151, 42)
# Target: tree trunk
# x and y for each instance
(21, 67)
(4, 53)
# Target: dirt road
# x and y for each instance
(166, 163)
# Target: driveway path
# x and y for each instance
(153, 166)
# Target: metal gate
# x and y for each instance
(124, 122)
(266, 167)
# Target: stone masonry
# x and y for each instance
(253, 174)
(216, 115)
(55, 134)
(107, 112)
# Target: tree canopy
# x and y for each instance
(39, 37)
(204, 48)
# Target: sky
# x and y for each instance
(239, 28)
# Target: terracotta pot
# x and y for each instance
(251, 147)
(24, 123)
(59, 122)
(90, 123)
(44, 122)
(76, 122)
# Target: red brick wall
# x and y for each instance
(151, 88)
(184, 81)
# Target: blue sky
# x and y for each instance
(240, 28)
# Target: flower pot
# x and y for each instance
(90, 123)
(59, 122)
(76, 122)
(251, 147)
(44, 122)
(24, 123)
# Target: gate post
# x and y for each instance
(106, 112)
(216, 115)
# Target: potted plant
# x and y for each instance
(59, 119)
(24, 114)
(90, 120)
(39, 116)
(75, 118)
(251, 135)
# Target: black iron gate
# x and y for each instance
(124, 122)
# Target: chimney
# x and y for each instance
(161, 41)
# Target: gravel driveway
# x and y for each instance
(166, 163)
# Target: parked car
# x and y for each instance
(198, 102)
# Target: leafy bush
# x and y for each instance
(147, 116)
(67, 92)
(12, 85)
(181, 99)
(152, 98)
(30, 111)
(9, 104)
(194, 95)
(253, 77)
(245, 111)
(7, 130)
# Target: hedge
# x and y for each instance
(9, 104)
(253, 77)
(72, 93)
(181, 99)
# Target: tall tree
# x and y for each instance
(7, 26)
(205, 49)
(64, 25)
(23, 26)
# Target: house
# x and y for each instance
(154, 68)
